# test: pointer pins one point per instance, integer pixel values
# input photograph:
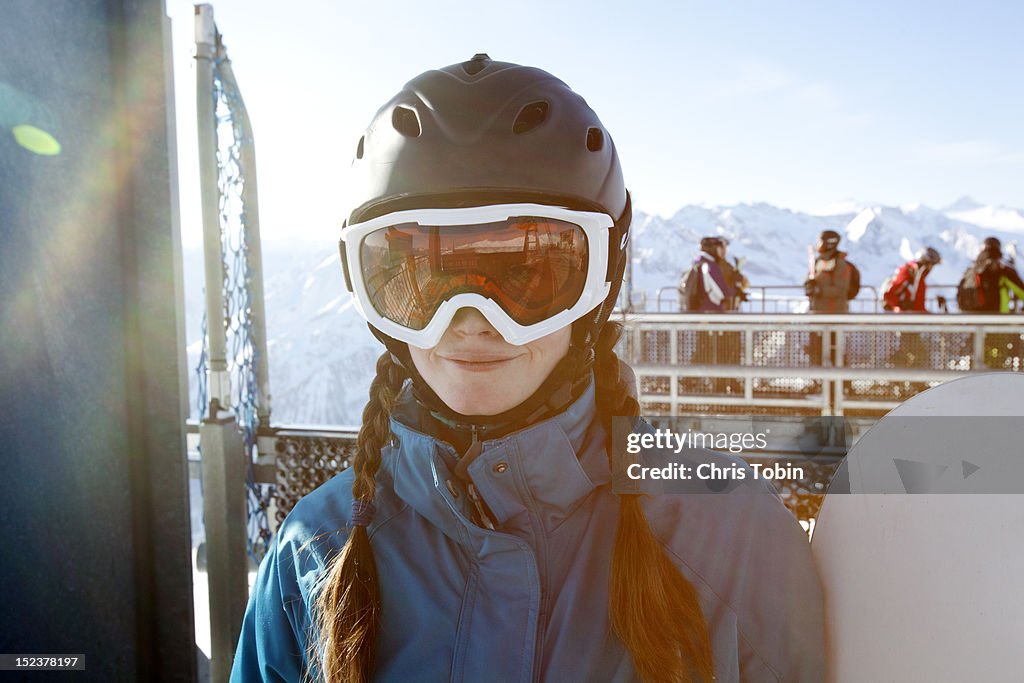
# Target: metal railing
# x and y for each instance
(808, 364)
(791, 298)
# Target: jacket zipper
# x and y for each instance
(472, 452)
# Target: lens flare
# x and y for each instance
(36, 140)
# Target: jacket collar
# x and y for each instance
(532, 476)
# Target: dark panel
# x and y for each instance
(94, 521)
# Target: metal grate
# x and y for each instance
(902, 349)
(303, 463)
(1003, 351)
(782, 348)
(786, 387)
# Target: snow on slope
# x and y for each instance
(322, 356)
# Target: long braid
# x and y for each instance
(348, 608)
(654, 609)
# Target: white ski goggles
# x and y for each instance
(530, 269)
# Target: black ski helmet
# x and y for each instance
(710, 245)
(993, 246)
(828, 241)
(928, 256)
(485, 132)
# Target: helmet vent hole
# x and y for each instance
(359, 147)
(595, 139)
(530, 116)
(406, 122)
(477, 64)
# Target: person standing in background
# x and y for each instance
(906, 289)
(832, 281)
(986, 288)
(995, 278)
(705, 288)
(904, 292)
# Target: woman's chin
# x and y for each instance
(480, 401)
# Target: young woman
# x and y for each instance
(477, 536)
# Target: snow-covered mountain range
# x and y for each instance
(322, 356)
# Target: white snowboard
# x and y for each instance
(929, 585)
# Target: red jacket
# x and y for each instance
(906, 291)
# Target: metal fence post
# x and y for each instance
(224, 458)
(206, 31)
(224, 471)
(978, 355)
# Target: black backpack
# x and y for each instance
(968, 293)
(689, 289)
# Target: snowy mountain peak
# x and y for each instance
(965, 203)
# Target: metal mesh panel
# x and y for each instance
(654, 348)
(655, 408)
(870, 349)
(706, 409)
(303, 463)
(713, 347)
(884, 390)
(660, 386)
(872, 413)
(896, 349)
(686, 344)
(710, 386)
(781, 348)
(1003, 351)
(786, 387)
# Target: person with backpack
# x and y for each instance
(906, 289)
(987, 283)
(832, 281)
(986, 287)
(705, 288)
(904, 292)
(486, 529)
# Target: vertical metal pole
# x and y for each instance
(673, 346)
(748, 360)
(978, 359)
(224, 516)
(217, 367)
(223, 450)
(840, 385)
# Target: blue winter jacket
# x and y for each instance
(529, 601)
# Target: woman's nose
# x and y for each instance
(469, 322)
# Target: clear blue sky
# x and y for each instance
(799, 104)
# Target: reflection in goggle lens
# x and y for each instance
(532, 267)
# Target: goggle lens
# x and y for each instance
(532, 267)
